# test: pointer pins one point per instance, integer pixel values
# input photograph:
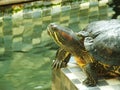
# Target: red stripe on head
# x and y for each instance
(66, 36)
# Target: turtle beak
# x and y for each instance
(48, 30)
(51, 28)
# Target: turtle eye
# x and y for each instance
(53, 27)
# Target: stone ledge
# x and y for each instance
(71, 77)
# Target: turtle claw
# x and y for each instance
(58, 64)
(89, 82)
(91, 73)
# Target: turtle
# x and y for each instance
(96, 48)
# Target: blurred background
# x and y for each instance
(26, 50)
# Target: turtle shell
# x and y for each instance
(103, 41)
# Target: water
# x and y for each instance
(27, 71)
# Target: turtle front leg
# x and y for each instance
(91, 72)
(61, 59)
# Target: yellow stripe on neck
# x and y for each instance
(57, 40)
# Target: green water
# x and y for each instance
(26, 71)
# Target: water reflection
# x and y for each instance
(26, 70)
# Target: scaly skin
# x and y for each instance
(73, 44)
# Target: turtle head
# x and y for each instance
(61, 35)
(65, 37)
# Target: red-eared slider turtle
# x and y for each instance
(96, 48)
